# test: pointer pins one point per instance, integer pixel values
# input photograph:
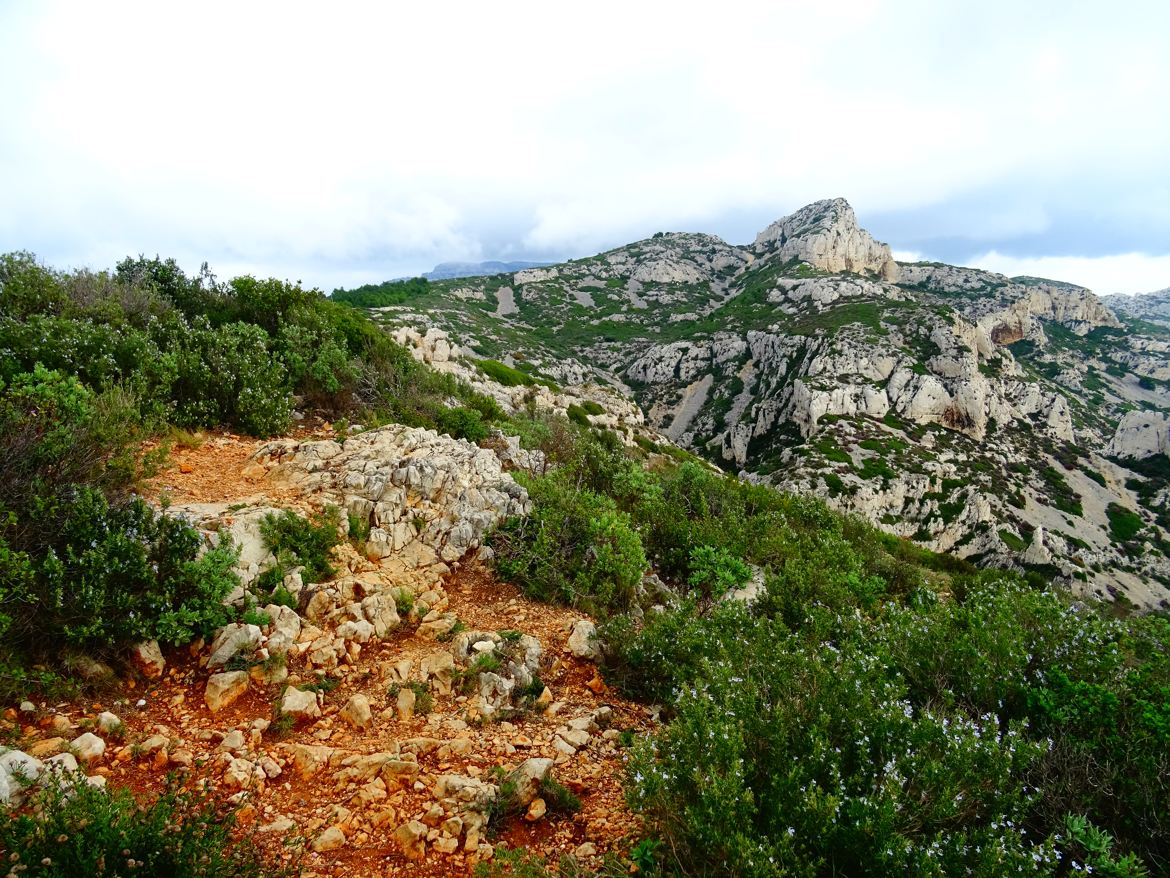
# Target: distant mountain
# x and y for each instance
(453, 270)
(1147, 306)
(1010, 421)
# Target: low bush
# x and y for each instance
(575, 548)
(1124, 524)
(462, 423)
(304, 542)
(504, 374)
(113, 575)
(79, 832)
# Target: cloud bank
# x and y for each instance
(374, 140)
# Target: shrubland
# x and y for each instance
(874, 709)
(92, 364)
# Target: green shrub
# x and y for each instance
(306, 541)
(592, 408)
(803, 756)
(359, 528)
(575, 548)
(578, 415)
(1012, 541)
(79, 831)
(113, 575)
(462, 423)
(715, 571)
(1124, 524)
(503, 374)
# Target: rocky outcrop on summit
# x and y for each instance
(1147, 306)
(1011, 309)
(825, 234)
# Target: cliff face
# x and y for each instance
(825, 235)
(994, 417)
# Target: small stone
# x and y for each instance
(597, 685)
(46, 747)
(108, 722)
(232, 741)
(65, 762)
(536, 810)
(299, 704)
(405, 704)
(233, 639)
(147, 659)
(224, 689)
(526, 779)
(282, 825)
(88, 747)
(357, 712)
(583, 640)
(446, 844)
(411, 838)
(588, 849)
(329, 840)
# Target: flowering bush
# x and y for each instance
(77, 831)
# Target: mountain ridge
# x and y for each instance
(972, 412)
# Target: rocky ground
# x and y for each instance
(383, 723)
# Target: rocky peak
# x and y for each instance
(825, 234)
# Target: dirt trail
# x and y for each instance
(445, 741)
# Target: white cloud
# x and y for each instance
(380, 137)
(1122, 273)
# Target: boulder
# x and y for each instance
(357, 712)
(299, 704)
(232, 639)
(412, 840)
(526, 779)
(88, 748)
(147, 659)
(583, 640)
(329, 840)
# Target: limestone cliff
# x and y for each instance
(825, 234)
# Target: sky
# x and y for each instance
(346, 143)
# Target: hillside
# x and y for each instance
(283, 594)
(1006, 420)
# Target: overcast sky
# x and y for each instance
(346, 142)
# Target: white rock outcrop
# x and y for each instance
(825, 234)
(1140, 435)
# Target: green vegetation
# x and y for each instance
(76, 831)
(392, 292)
(851, 722)
(1060, 493)
(303, 542)
(93, 364)
(1012, 541)
(1124, 524)
(505, 375)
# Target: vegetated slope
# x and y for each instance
(997, 418)
(837, 701)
